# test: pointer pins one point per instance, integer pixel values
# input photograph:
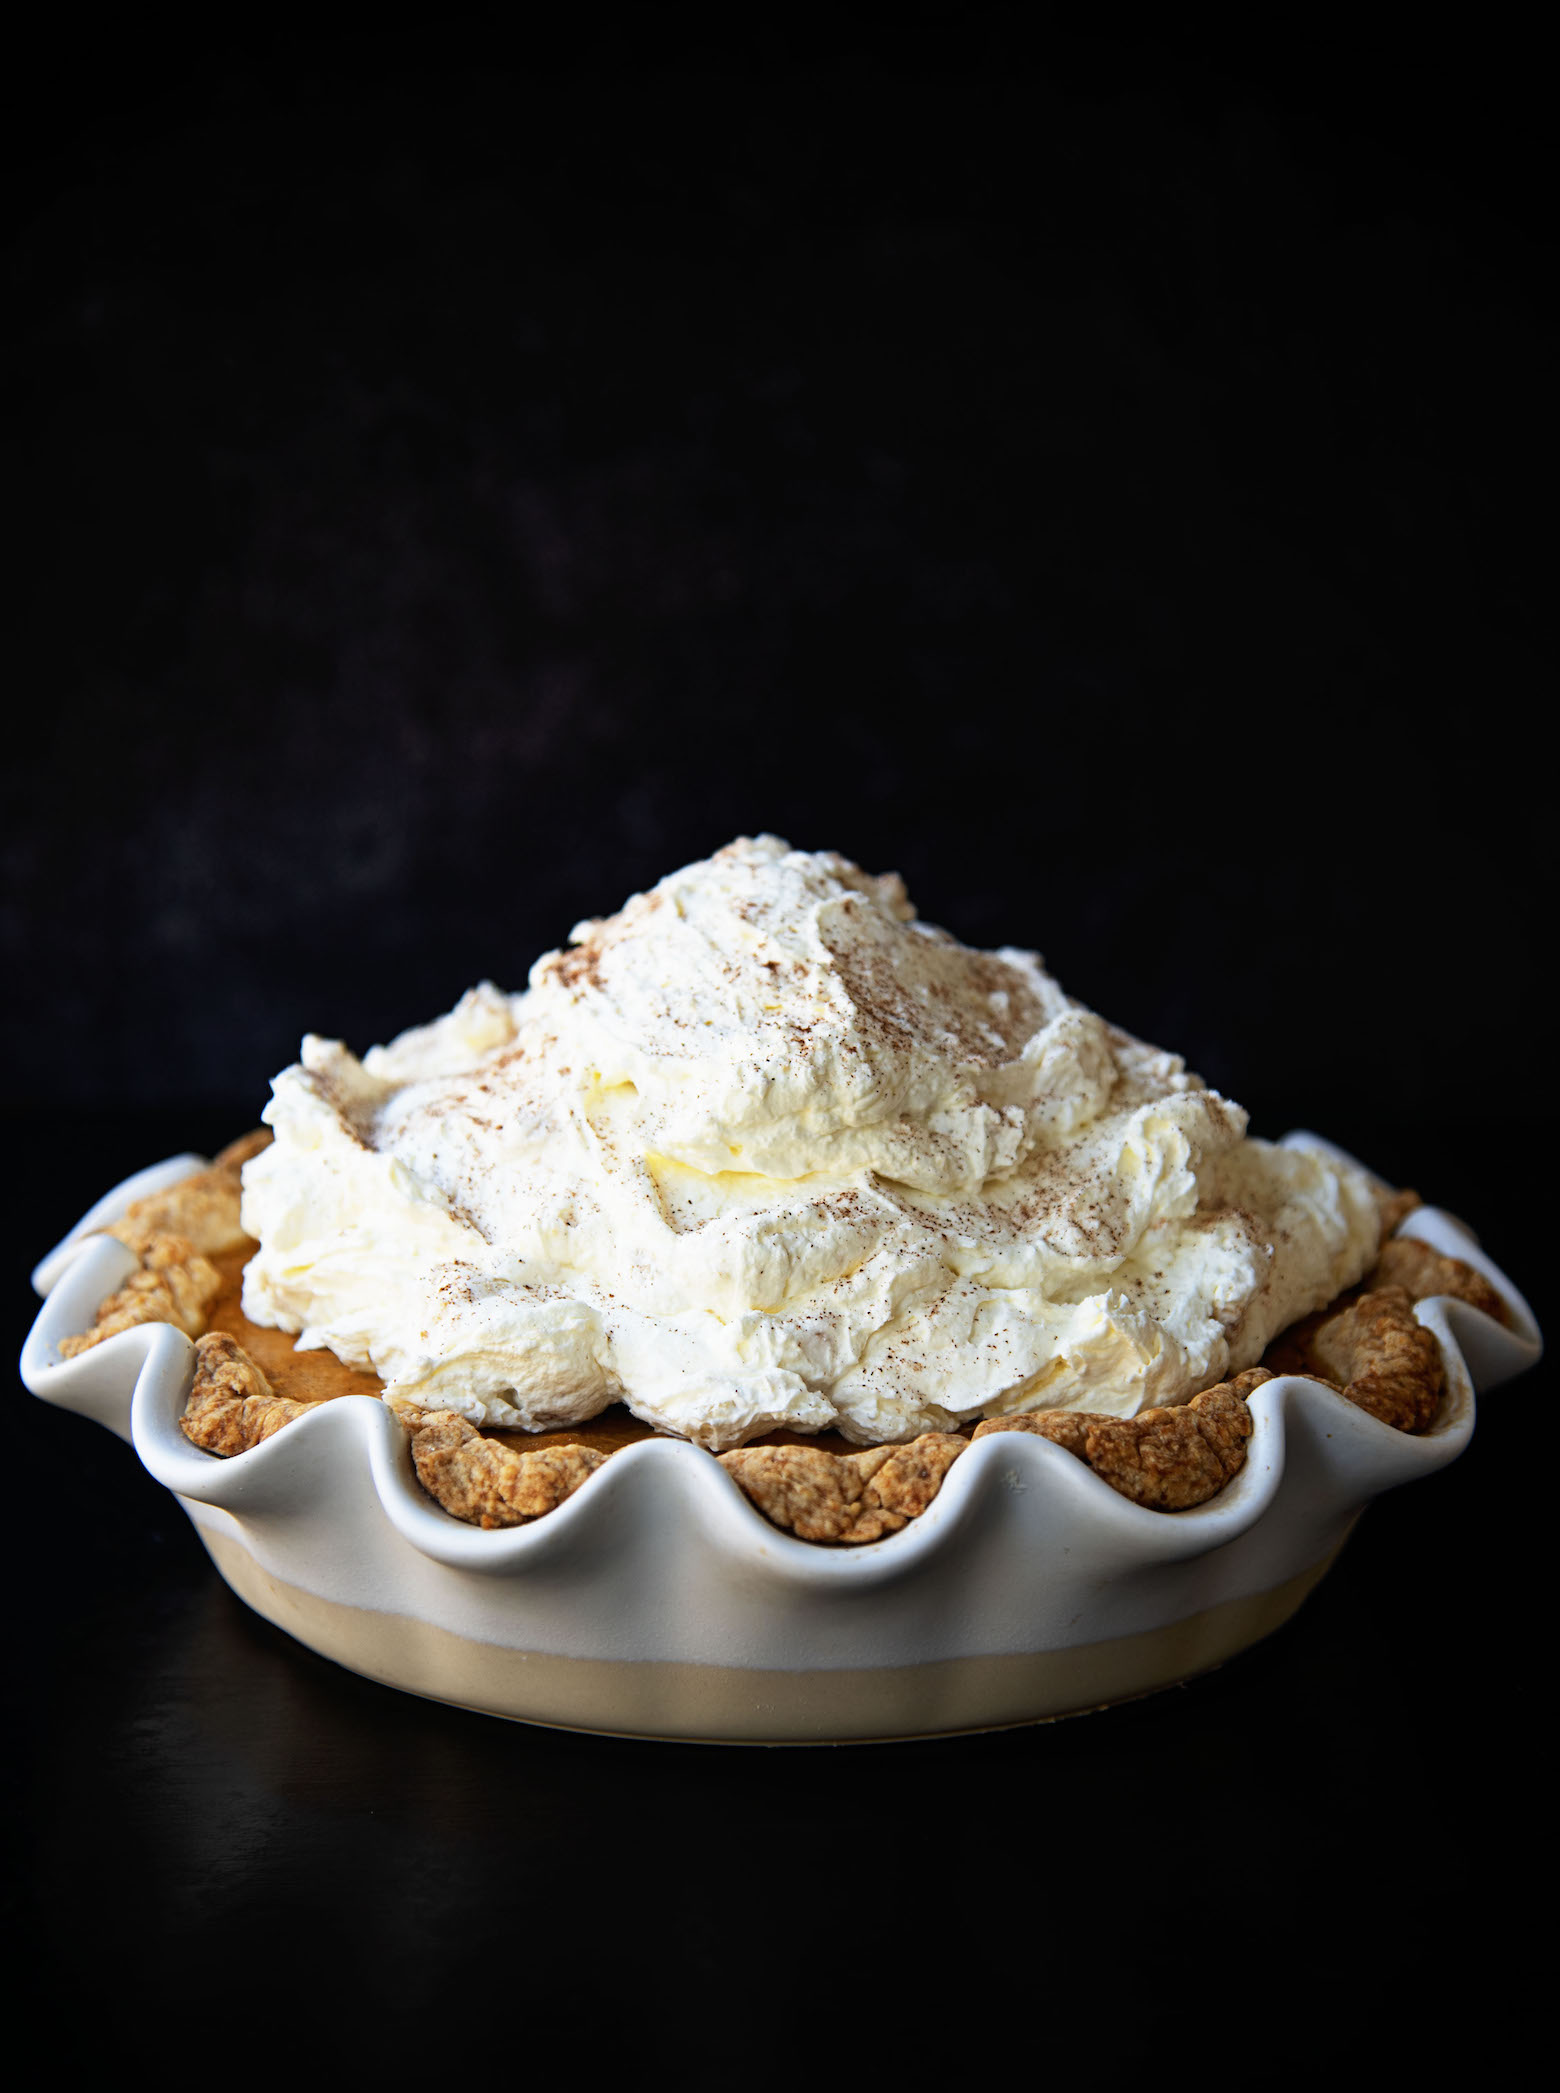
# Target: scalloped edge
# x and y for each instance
(136, 1383)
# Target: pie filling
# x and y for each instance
(252, 1381)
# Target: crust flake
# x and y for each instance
(1368, 1346)
(485, 1482)
(173, 1233)
(232, 1406)
(850, 1498)
(1383, 1359)
(174, 1285)
(1394, 1209)
(203, 1208)
(1168, 1459)
(1406, 1262)
(237, 1153)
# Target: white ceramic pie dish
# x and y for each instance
(657, 1602)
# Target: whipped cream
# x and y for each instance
(765, 1150)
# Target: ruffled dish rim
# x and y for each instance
(137, 1382)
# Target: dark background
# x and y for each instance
(450, 491)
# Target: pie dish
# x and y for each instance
(656, 1599)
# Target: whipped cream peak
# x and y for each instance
(782, 1011)
(765, 1149)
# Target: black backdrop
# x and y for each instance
(450, 495)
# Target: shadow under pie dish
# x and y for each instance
(780, 1323)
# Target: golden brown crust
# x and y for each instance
(232, 1405)
(1368, 1345)
(1394, 1209)
(851, 1498)
(1383, 1359)
(174, 1285)
(203, 1209)
(237, 1153)
(485, 1482)
(1167, 1460)
(173, 1233)
(1421, 1272)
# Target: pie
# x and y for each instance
(766, 1163)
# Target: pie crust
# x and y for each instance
(251, 1382)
